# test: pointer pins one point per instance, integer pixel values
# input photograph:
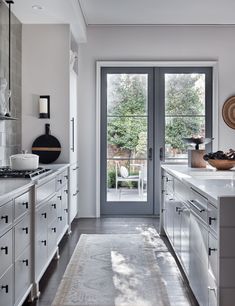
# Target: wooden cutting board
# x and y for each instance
(47, 147)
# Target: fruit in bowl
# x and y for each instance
(221, 160)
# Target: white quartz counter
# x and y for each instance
(12, 186)
(210, 182)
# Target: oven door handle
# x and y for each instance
(194, 204)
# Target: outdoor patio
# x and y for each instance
(125, 194)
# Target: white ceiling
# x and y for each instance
(155, 12)
(80, 13)
(53, 12)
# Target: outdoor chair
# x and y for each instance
(122, 175)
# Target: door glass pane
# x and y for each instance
(127, 137)
(184, 111)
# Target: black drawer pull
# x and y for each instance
(59, 197)
(59, 181)
(53, 205)
(74, 194)
(26, 229)
(45, 215)
(75, 168)
(66, 177)
(5, 217)
(210, 250)
(26, 261)
(5, 287)
(5, 249)
(211, 219)
(44, 242)
(60, 218)
(53, 229)
(26, 204)
(66, 191)
(66, 210)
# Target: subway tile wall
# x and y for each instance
(10, 131)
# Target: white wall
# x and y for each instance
(146, 43)
(45, 71)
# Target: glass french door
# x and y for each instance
(145, 115)
(127, 141)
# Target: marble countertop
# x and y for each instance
(11, 187)
(211, 183)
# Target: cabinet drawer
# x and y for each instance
(22, 235)
(64, 177)
(45, 190)
(213, 218)
(22, 204)
(213, 255)
(212, 291)
(52, 209)
(22, 274)
(52, 237)
(6, 288)
(198, 204)
(6, 246)
(6, 212)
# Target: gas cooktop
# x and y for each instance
(7, 172)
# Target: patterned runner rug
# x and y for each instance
(113, 270)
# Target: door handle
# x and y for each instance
(72, 148)
(161, 154)
(150, 154)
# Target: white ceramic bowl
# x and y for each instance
(24, 161)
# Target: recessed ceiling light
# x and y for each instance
(37, 7)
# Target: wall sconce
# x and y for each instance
(44, 107)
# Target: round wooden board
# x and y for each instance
(228, 112)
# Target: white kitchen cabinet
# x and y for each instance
(15, 248)
(7, 288)
(51, 222)
(203, 233)
(73, 191)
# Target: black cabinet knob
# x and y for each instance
(210, 250)
(26, 262)
(26, 229)
(4, 217)
(44, 215)
(26, 204)
(59, 181)
(66, 210)
(5, 249)
(5, 288)
(44, 242)
(53, 229)
(59, 197)
(53, 205)
(66, 191)
(60, 218)
(211, 219)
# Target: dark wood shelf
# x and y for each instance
(7, 118)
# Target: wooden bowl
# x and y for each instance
(221, 164)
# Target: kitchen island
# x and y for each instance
(197, 216)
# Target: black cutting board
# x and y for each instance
(47, 147)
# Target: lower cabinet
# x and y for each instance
(198, 266)
(7, 287)
(23, 277)
(51, 223)
(73, 192)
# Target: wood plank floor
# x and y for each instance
(178, 291)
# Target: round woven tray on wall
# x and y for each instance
(228, 112)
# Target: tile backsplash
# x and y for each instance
(10, 131)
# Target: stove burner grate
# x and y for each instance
(7, 172)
